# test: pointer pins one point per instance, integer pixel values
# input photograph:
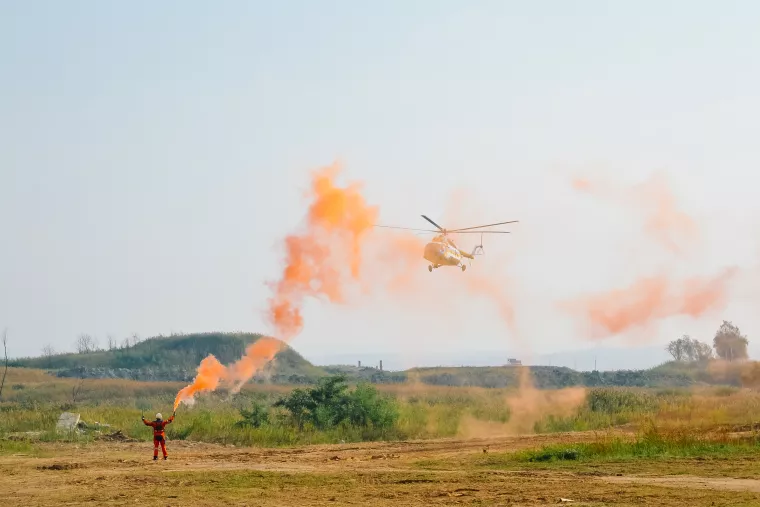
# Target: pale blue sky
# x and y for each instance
(153, 154)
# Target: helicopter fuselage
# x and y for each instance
(444, 253)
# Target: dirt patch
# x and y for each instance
(116, 436)
(61, 466)
(690, 481)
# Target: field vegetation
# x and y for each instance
(335, 410)
(701, 400)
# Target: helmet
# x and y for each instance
(158, 416)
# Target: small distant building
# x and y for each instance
(513, 362)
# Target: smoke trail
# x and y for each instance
(321, 261)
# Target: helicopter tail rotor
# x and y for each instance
(478, 250)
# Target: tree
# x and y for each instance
(5, 351)
(729, 343)
(111, 342)
(676, 348)
(86, 343)
(702, 351)
(689, 349)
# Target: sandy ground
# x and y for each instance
(439, 472)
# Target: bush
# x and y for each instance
(254, 418)
(330, 404)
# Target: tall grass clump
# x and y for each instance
(652, 441)
(606, 408)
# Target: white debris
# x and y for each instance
(67, 422)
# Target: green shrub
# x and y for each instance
(254, 418)
(330, 404)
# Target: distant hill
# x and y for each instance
(548, 377)
(174, 358)
(587, 359)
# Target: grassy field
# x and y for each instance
(597, 446)
(34, 400)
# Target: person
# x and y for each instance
(159, 437)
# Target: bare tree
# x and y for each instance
(111, 342)
(677, 348)
(77, 389)
(85, 343)
(5, 351)
(48, 352)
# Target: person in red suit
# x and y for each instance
(159, 437)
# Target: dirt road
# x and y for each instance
(440, 472)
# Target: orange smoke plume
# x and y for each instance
(212, 373)
(612, 312)
(319, 262)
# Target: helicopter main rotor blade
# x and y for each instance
(439, 227)
(480, 232)
(404, 228)
(481, 226)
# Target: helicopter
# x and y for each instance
(443, 251)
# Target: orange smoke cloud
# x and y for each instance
(338, 221)
(655, 201)
(319, 262)
(649, 299)
(656, 297)
(665, 222)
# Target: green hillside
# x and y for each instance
(174, 358)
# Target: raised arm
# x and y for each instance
(147, 423)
